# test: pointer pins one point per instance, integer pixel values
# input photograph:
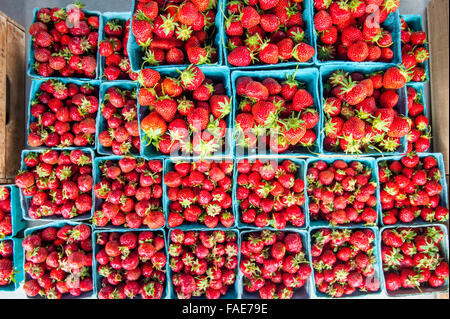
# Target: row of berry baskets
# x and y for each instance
(106, 46)
(120, 118)
(321, 262)
(303, 205)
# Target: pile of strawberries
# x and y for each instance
(131, 264)
(119, 109)
(65, 42)
(353, 31)
(187, 114)
(274, 264)
(200, 192)
(414, 53)
(270, 193)
(129, 193)
(342, 192)
(419, 138)
(267, 31)
(203, 263)
(58, 262)
(176, 32)
(58, 182)
(5, 212)
(114, 49)
(410, 188)
(413, 259)
(278, 113)
(63, 115)
(6, 262)
(344, 261)
(362, 112)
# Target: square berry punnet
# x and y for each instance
(293, 285)
(121, 293)
(420, 211)
(26, 194)
(205, 198)
(195, 144)
(63, 237)
(115, 66)
(33, 73)
(368, 165)
(391, 145)
(228, 263)
(246, 194)
(11, 249)
(296, 82)
(11, 222)
(407, 252)
(341, 237)
(125, 111)
(65, 117)
(300, 31)
(390, 25)
(133, 195)
(413, 23)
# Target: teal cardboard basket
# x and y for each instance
(35, 90)
(443, 196)
(308, 8)
(137, 54)
(391, 24)
(426, 290)
(236, 204)
(31, 60)
(30, 231)
(310, 78)
(17, 262)
(98, 202)
(218, 74)
(364, 68)
(378, 265)
(233, 290)
(101, 123)
(168, 167)
(17, 221)
(415, 23)
(305, 292)
(96, 248)
(25, 201)
(106, 17)
(367, 162)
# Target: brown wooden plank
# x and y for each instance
(12, 96)
(15, 129)
(3, 37)
(438, 30)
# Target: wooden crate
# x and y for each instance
(12, 97)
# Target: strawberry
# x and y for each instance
(240, 56)
(393, 79)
